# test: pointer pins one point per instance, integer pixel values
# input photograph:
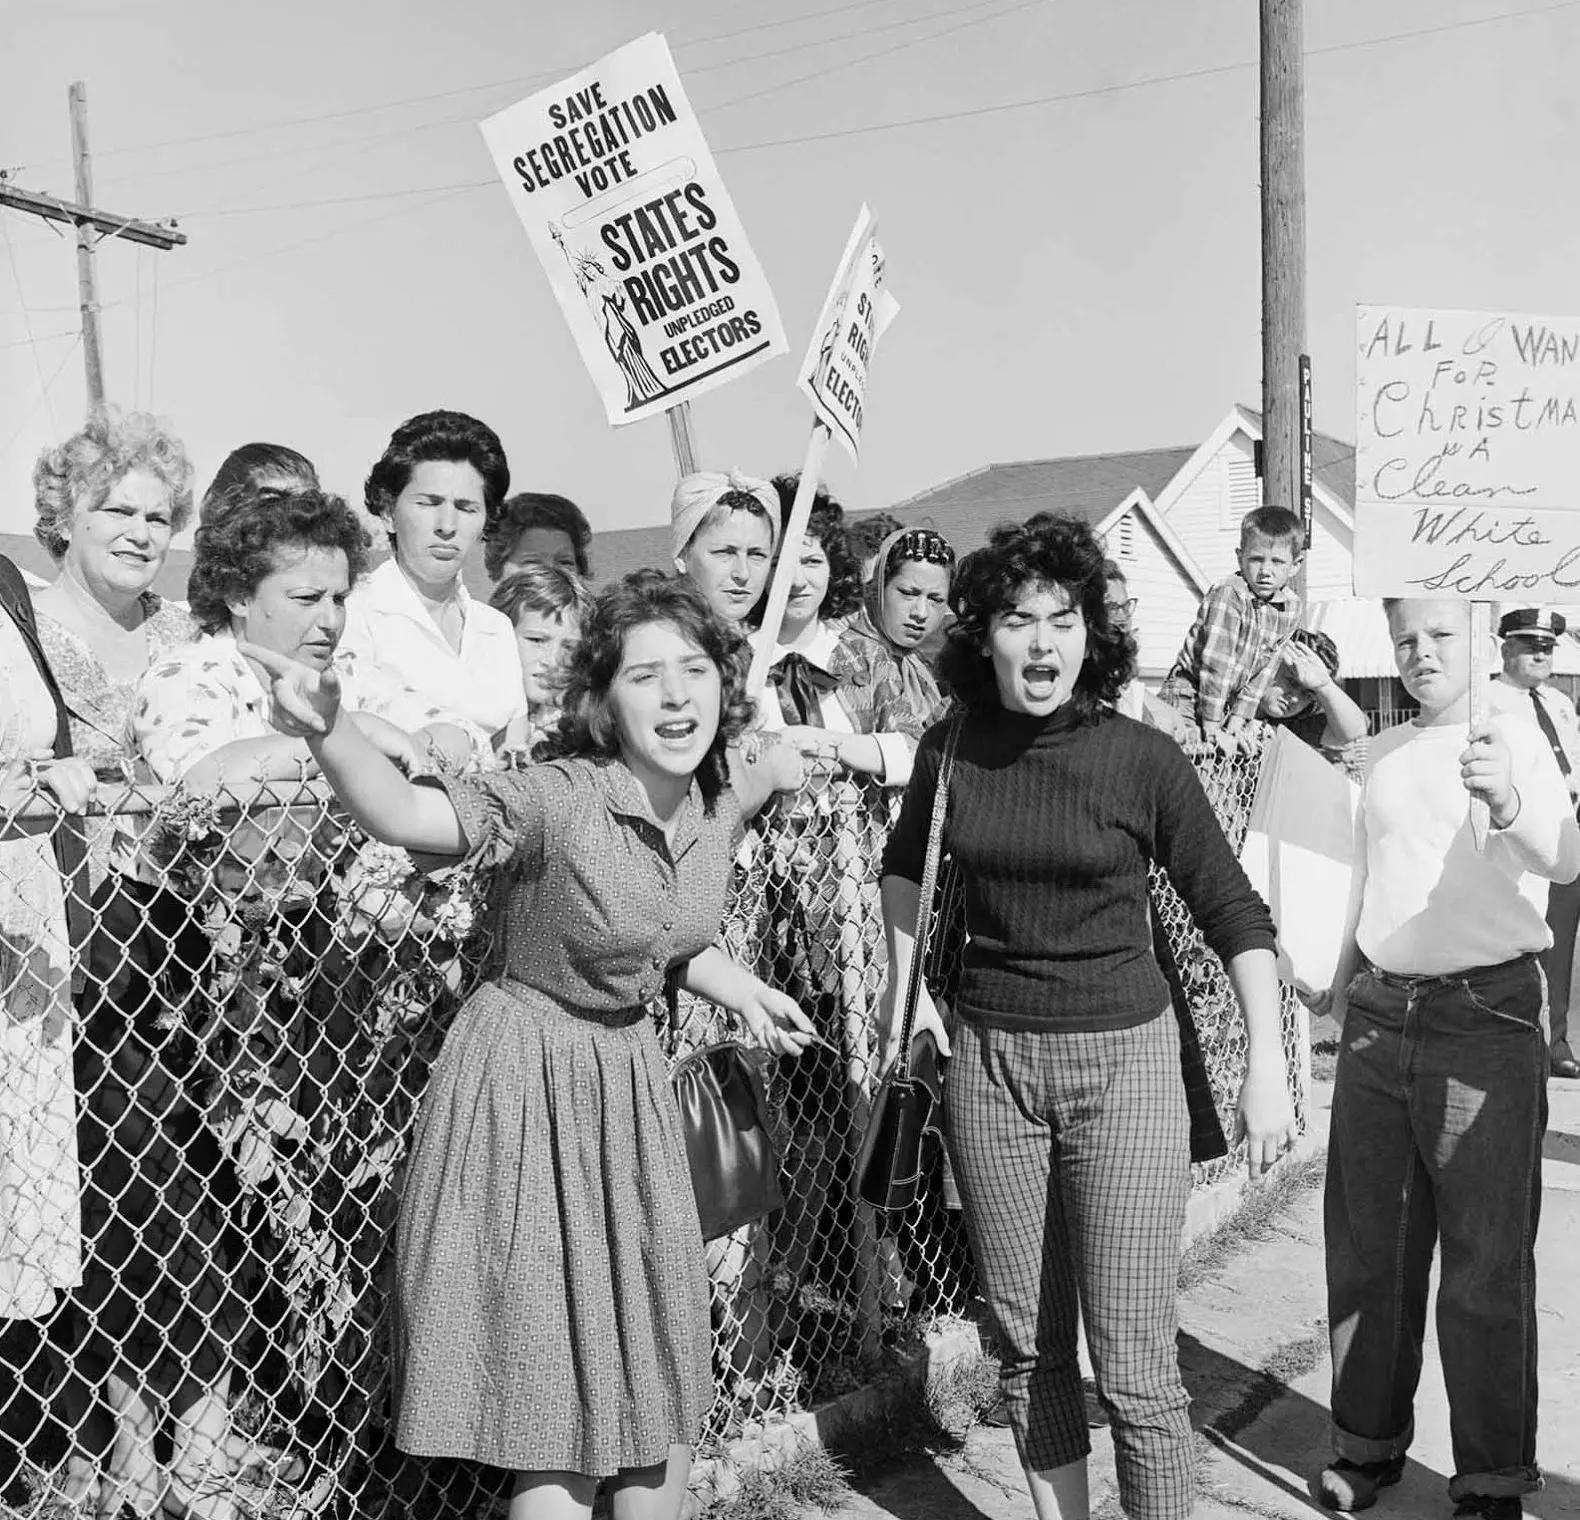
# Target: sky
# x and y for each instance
(1067, 195)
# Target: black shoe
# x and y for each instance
(1490, 1506)
(1349, 1486)
(1565, 1066)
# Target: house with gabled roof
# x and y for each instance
(1170, 517)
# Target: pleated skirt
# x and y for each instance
(551, 1295)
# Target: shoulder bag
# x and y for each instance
(892, 1162)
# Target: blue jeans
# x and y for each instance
(1439, 1105)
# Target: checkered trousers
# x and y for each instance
(1071, 1152)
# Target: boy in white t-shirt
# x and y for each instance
(1440, 1096)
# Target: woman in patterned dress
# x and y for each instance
(109, 500)
(552, 1307)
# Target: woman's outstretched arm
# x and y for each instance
(305, 704)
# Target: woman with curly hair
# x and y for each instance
(438, 485)
(551, 1300)
(171, 1274)
(109, 500)
(837, 693)
(1064, 1103)
(537, 528)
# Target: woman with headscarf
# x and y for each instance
(905, 601)
(723, 533)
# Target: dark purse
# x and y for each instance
(894, 1154)
(734, 1171)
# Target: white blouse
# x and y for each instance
(387, 625)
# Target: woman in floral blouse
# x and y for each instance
(172, 1273)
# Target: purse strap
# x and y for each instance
(924, 911)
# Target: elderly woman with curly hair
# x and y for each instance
(1065, 1104)
(537, 528)
(109, 500)
(440, 482)
(551, 1301)
(171, 1273)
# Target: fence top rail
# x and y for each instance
(41, 811)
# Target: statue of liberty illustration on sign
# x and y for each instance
(620, 336)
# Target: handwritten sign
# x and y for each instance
(610, 175)
(855, 312)
(1467, 455)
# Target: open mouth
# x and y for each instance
(677, 732)
(1040, 679)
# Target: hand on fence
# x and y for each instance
(302, 702)
(1265, 1117)
(71, 780)
(775, 1022)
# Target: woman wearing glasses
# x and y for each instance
(905, 601)
(1135, 701)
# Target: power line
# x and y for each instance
(471, 89)
(27, 316)
(469, 118)
(40, 400)
(54, 337)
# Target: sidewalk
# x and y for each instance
(1253, 1345)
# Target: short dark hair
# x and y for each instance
(1048, 549)
(586, 726)
(827, 526)
(867, 534)
(1276, 523)
(243, 469)
(546, 589)
(451, 436)
(535, 509)
(236, 549)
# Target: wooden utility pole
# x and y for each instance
(82, 214)
(1283, 248)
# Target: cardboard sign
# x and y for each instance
(611, 177)
(1467, 455)
(855, 312)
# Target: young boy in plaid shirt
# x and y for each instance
(1440, 1094)
(1240, 631)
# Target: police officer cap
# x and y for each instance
(1532, 622)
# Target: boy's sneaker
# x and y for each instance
(1350, 1486)
(1489, 1507)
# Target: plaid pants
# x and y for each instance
(1072, 1155)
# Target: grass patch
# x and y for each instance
(1324, 1060)
(811, 1478)
(929, 1421)
(1253, 1220)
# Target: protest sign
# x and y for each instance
(855, 312)
(1467, 455)
(611, 177)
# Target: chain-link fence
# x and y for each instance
(201, 1146)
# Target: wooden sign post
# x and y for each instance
(1467, 464)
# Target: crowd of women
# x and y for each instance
(601, 755)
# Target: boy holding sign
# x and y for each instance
(1439, 1097)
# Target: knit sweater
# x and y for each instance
(1053, 823)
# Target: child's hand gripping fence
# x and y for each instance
(201, 1154)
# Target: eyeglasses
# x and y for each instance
(923, 544)
(1124, 608)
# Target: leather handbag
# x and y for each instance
(734, 1169)
(894, 1154)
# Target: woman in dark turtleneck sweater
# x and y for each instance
(1065, 1105)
